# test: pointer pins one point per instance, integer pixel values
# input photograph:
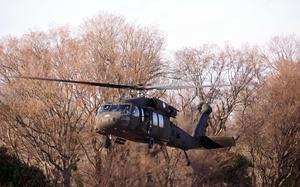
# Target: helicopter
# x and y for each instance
(148, 120)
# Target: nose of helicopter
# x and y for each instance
(106, 121)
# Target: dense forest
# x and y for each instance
(49, 126)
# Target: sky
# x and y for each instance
(184, 23)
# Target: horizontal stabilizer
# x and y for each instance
(214, 142)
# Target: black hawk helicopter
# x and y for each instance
(147, 120)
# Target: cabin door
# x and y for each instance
(159, 127)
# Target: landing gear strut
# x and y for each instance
(187, 158)
(151, 142)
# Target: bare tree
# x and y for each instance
(281, 49)
(50, 125)
(273, 129)
(44, 119)
(237, 69)
(270, 125)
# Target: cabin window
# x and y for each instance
(136, 112)
(142, 115)
(160, 121)
(155, 119)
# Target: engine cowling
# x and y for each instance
(168, 110)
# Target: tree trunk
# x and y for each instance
(67, 178)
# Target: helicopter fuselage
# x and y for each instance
(142, 123)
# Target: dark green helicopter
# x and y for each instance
(147, 120)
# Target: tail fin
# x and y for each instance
(210, 142)
(214, 142)
(201, 126)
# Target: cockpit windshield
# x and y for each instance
(123, 108)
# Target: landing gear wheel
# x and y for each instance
(107, 143)
(151, 143)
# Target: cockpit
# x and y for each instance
(123, 108)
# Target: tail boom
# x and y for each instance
(214, 142)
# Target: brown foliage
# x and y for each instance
(50, 125)
(271, 128)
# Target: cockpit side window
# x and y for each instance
(125, 109)
(136, 111)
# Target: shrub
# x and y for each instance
(13, 172)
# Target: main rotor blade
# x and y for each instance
(107, 85)
(124, 86)
(178, 87)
